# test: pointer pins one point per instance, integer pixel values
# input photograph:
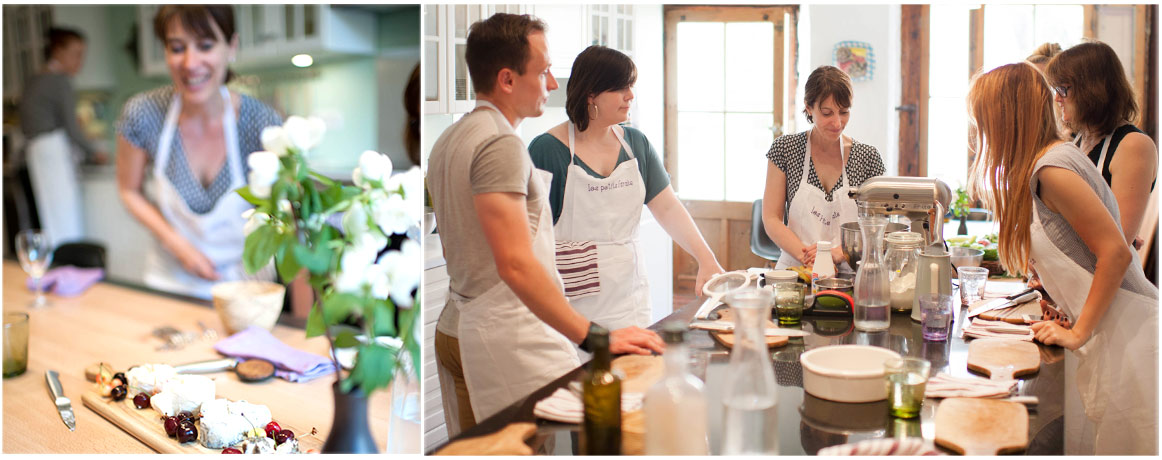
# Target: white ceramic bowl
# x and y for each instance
(846, 373)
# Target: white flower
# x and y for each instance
(390, 212)
(377, 277)
(353, 268)
(372, 166)
(403, 271)
(274, 139)
(284, 205)
(304, 133)
(263, 172)
(355, 220)
(253, 220)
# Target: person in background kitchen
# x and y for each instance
(603, 173)
(810, 172)
(1057, 215)
(506, 327)
(190, 139)
(1041, 56)
(56, 144)
(1097, 101)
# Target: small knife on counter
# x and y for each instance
(723, 326)
(63, 405)
(1004, 302)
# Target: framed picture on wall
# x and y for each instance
(855, 58)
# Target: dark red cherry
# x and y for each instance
(283, 436)
(231, 450)
(187, 432)
(141, 401)
(272, 429)
(118, 393)
(171, 426)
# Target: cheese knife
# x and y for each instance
(63, 405)
(1005, 302)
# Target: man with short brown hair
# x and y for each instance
(506, 308)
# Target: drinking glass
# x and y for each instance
(15, 344)
(789, 302)
(906, 379)
(972, 281)
(935, 316)
(35, 252)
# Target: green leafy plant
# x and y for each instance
(963, 203)
(350, 240)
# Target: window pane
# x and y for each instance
(750, 66)
(1008, 34)
(748, 137)
(700, 164)
(948, 140)
(948, 68)
(1061, 24)
(700, 75)
(461, 14)
(430, 18)
(461, 74)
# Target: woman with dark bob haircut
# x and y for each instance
(603, 173)
(191, 139)
(1097, 102)
(805, 200)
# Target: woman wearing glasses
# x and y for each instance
(1097, 102)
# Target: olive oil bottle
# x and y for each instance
(601, 393)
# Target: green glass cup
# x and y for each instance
(15, 344)
(906, 379)
(789, 302)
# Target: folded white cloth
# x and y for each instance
(566, 406)
(980, 328)
(943, 385)
(891, 446)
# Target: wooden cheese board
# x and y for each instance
(146, 425)
(727, 338)
(975, 426)
(1003, 359)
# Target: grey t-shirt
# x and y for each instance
(1068, 156)
(49, 104)
(478, 154)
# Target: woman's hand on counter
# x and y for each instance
(1051, 333)
(635, 340)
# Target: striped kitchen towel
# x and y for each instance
(577, 263)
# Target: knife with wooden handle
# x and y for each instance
(63, 405)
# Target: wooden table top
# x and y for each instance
(113, 324)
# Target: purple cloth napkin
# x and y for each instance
(68, 281)
(290, 364)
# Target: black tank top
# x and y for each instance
(1095, 154)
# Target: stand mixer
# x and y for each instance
(914, 198)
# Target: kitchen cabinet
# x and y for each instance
(24, 29)
(448, 87)
(272, 34)
(571, 28)
(435, 293)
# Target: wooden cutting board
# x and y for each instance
(1003, 358)
(146, 425)
(1014, 315)
(727, 338)
(510, 440)
(975, 426)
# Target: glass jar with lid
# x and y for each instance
(901, 260)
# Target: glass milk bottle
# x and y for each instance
(871, 280)
(675, 406)
(751, 421)
(901, 260)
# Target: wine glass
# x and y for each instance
(35, 252)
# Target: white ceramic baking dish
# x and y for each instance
(846, 373)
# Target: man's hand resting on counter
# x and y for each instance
(635, 340)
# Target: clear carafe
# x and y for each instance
(901, 259)
(872, 296)
(751, 419)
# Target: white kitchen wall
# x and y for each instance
(874, 120)
(92, 22)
